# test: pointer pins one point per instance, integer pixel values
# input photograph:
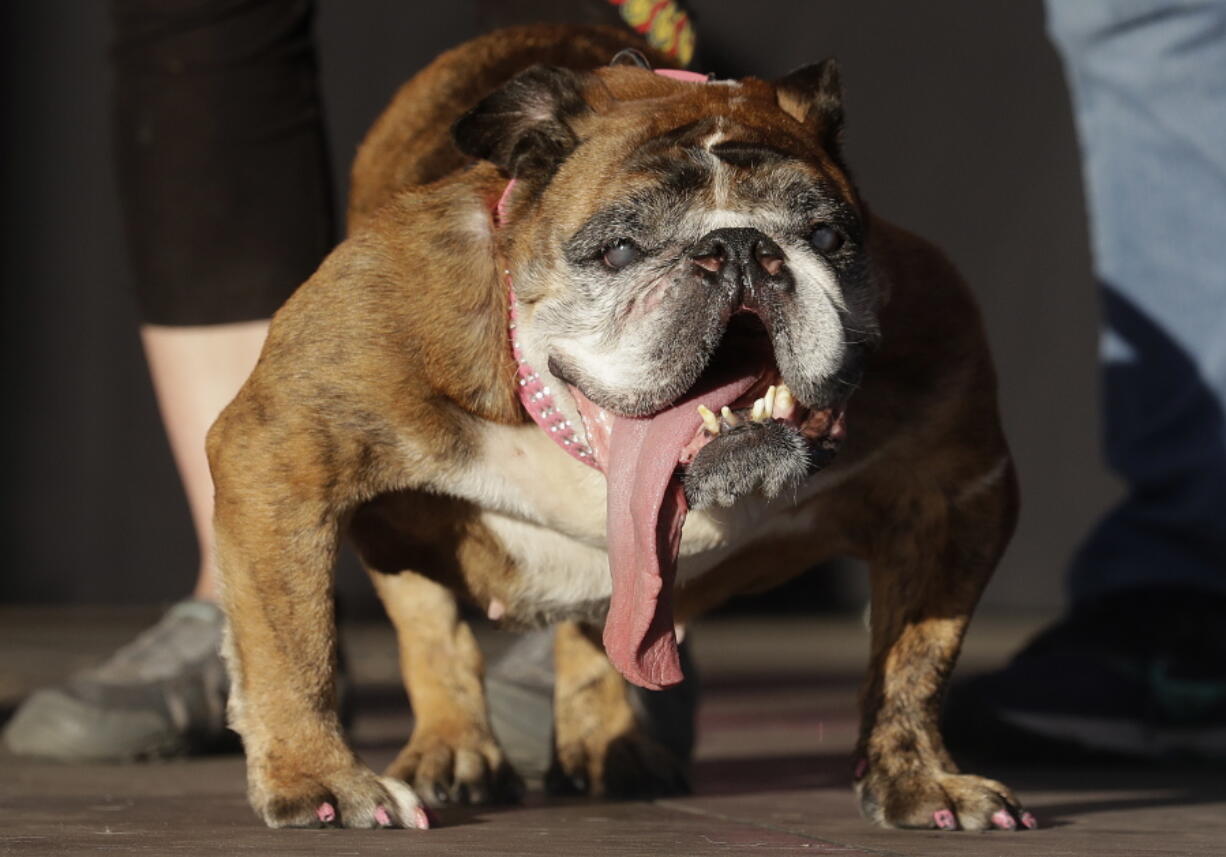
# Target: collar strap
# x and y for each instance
(535, 395)
(682, 74)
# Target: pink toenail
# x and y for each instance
(1003, 820)
(382, 817)
(422, 819)
(1029, 821)
(861, 768)
(326, 812)
(945, 819)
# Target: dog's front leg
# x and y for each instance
(453, 756)
(927, 575)
(277, 522)
(600, 747)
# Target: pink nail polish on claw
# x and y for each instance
(1002, 819)
(945, 819)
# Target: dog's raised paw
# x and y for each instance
(942, 802)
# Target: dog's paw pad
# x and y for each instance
(1029, 821)
(326, 812)
(944, 820)
(381, 816)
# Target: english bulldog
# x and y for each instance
(606, 345)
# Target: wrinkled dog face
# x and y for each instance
(716, 227)
(685, 233)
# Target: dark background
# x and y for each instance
(958, 127)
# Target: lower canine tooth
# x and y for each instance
(783, 400)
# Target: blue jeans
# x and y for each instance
(1148, 83)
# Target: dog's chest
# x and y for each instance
(548, 511)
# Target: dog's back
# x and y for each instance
(410, 143)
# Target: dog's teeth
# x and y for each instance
(709, 420)
(769, 399)
(783, 401)
(759, 413)
(730, 418)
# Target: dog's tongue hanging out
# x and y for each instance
(646, 508)
(646, 500)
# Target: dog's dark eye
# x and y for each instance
(621, 253)
(825, 238)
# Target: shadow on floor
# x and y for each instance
(724, 777)
(1099, 790)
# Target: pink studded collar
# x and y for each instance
(534, 393)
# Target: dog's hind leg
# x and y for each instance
(935, 551)
(452, 756)
(600, 747)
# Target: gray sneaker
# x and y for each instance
(163, 694)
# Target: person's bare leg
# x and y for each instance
(196, 371)
(163, 694)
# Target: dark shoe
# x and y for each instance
(1141, 674)
(163, 694)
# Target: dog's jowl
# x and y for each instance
(604, 347)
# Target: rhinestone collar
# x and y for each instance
(536, 396)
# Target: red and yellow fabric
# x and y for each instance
(663, 23)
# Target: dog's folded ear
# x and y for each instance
(524, 126)
(813, 95)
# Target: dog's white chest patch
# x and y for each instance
(558, 576)
(548, 512)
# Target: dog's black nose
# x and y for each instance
(741, 257)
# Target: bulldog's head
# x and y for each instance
(690, 264)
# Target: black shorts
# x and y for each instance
(220, 147)
(220, 152)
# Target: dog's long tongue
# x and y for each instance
(646, 510)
